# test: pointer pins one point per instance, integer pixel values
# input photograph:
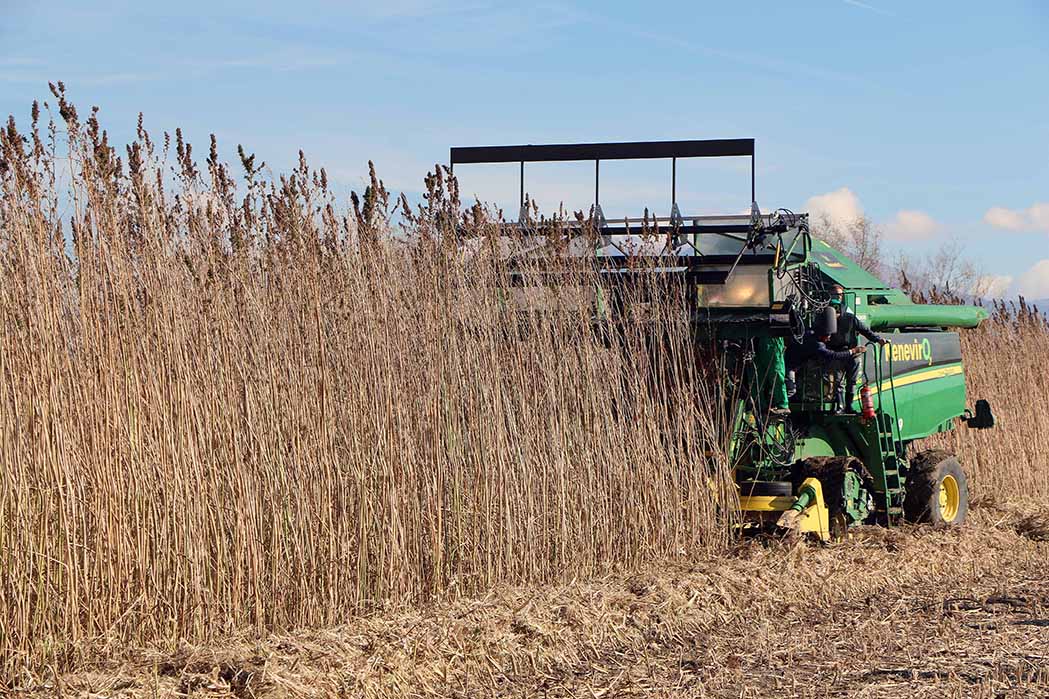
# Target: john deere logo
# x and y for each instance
(914, 351)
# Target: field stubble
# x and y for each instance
(910, 611)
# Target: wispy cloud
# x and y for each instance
(44, 74)
(39, 73)
(749, 59)
(865, 6)
(410, 9)
(117, 78)
(279, 62)
(21, 76)
(19, 62)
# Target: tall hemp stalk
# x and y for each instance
(229, 403)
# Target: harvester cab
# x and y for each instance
(757, 286)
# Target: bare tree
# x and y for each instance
(859, 239)
(946, 269)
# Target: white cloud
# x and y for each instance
(1034, 283)
(909, 224)
(841, 206)
(994, 286)
(1004, 218)
(1039, 215)
(1033, 218)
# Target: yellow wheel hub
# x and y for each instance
(950, 498)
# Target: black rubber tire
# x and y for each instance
(766, 488)
(927, 471)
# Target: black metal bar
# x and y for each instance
(673, 181)
(597, 182)
(522, 184)
(753, 197)
(604, 151)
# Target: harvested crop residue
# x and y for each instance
(903, 612)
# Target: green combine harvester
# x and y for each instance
(760, 283)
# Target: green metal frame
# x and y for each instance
(927, 401)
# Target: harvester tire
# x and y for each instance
(937, 492)
(766, 488)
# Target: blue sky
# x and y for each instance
(932, 118)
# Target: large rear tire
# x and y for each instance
(937, 491)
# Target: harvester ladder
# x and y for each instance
(889, 439)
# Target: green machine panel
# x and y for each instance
(925, 370)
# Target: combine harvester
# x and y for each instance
(754, 280)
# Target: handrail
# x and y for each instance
(895, 409)
(880, 380)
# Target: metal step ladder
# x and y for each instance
(891, 482)
(889, 442)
